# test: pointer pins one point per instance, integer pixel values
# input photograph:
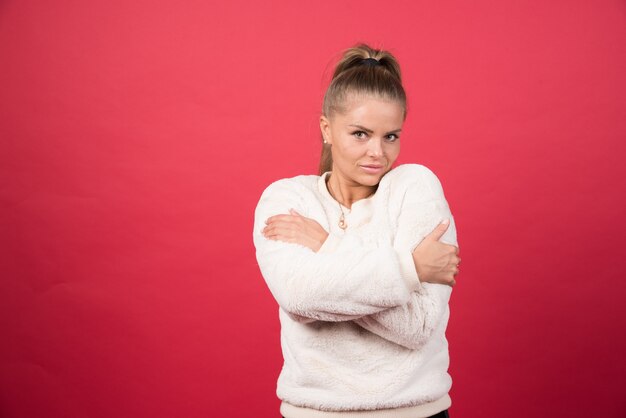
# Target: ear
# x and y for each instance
(325, 128)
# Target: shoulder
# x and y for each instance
(410, 172)
(291, 187)
(294, 192)
(413, 176)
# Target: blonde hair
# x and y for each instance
(355, 74)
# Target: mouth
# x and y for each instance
(372, 168)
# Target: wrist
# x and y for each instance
(321, 241)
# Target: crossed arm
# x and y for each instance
(376, 286)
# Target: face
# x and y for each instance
(365, 139)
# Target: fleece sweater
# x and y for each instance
(360, 334)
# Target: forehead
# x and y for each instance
(372, 112)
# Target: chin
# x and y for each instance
(370, 180)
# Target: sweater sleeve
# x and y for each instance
(344, 280)
(423, 208)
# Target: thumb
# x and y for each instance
(293, 212)
(439, 230)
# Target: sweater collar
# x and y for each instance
(323, 189)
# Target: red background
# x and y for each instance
(136, 138)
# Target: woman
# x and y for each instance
(361, 260)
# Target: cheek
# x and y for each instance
(349, 151)
(392, 152)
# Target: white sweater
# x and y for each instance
(359, 331)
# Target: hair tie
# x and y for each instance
(371, 62)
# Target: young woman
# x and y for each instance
(361, 260)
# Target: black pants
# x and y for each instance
(442, 414)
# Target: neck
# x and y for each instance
(347, 192)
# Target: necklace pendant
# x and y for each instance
(342, 222)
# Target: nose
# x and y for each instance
(375, 148)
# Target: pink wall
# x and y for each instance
(136, 138)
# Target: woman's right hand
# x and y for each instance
(436, 262)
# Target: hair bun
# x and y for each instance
(370, 61)
(357, 55)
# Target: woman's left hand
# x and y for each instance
(295, 228)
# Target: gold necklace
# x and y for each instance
(342, 219)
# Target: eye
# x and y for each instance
(392, 137)
(359, 134)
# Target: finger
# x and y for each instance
(276, 218)
(439, 230)
(449, 280)
(284, 225)
(270, 229)
(278, 223)
(279, 218)
(281, 231)
(294, 212)
(267, 229)
(278, 236)
(281, 239)
(451, 249)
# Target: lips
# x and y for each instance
(372, 168)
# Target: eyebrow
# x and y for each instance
(369, 131)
